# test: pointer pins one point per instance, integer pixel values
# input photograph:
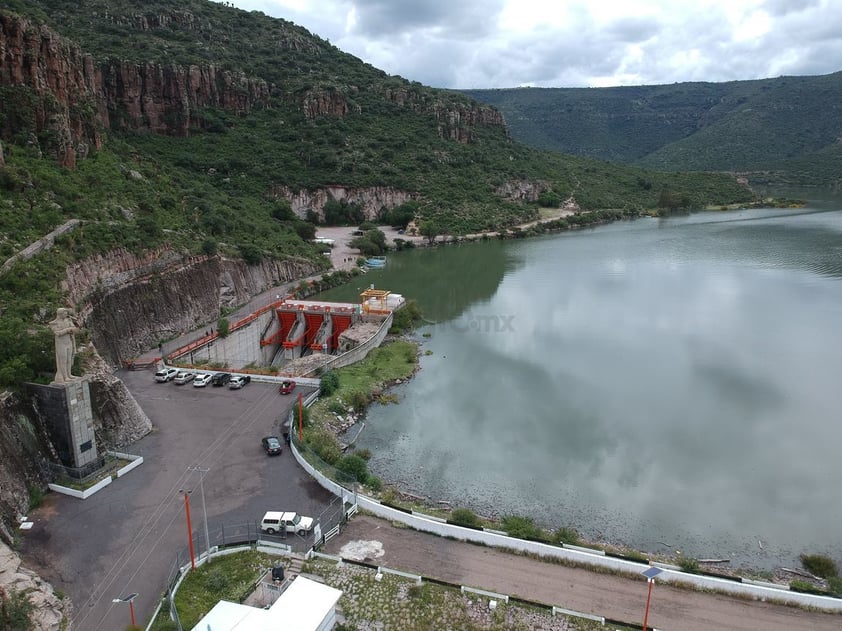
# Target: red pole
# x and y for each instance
(300, 418)
(131, 610)
(189, 531)
(648, 598)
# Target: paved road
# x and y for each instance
(125, 538)
(605, 595)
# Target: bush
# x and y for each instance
(405, 319)
(819, 565)
(36, 496)
(365, 454)
(834, 585)
(566, 535)
(223, 327)
(465, 517)
(374, 483)
(689, 565)
(806, 587)
(329, 383)
(325, 445)
(355, 467)
(15, 611)
(209, 247)
(358, 400)
(521, 527)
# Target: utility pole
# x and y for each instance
(202, 473)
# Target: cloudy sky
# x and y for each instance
(574, 43)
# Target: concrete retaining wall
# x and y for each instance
(359, 353)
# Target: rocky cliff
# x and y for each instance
(131, 303)
(63, 98)
(75, 97)
(371, 199)
(50, 613)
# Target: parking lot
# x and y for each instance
(128, 537)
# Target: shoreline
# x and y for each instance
(775, 571)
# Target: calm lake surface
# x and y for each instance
(670, 384)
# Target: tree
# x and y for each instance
(282, 210)
(549, 199)
(430, 229)
(305, 230)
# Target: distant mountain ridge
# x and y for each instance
(789, 125)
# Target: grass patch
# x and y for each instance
(225, 578)
(357, 384)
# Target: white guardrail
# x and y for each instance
(596, 558)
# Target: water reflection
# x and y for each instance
(444, 280)
(664, 383)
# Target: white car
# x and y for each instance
(276, 521)
(166, 374)
(201, 380)
(184, 376)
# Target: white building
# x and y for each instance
(304, 606)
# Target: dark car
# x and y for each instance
(220, 378)
(287, 386)
(272, 446)
(239, 381)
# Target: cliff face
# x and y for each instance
(50, 612)
(132, 303)
(77, 97)
(371, 199)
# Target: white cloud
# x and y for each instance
(506, 43)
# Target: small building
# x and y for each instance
(305, 605)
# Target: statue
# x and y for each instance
(64, 329)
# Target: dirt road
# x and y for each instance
(614, 597)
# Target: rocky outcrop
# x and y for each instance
(50, 613)
(120, 420)
(371, 199)
(325, 102)
(22, 445)
(131, 303)
(521, 190)
(76, 97)
(457, 122)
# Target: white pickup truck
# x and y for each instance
(275, 521)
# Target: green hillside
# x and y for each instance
(221, 179)
(786, 124)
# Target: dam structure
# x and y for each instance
(292, 337)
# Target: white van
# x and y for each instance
(276, 521)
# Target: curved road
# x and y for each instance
(607, 595)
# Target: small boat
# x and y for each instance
(376, 261)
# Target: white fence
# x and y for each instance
(575, 554)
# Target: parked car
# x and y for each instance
(184, 376)
(166, 374)
(238, 381)
(201, 380)
(220, 378)
(272, 446)
(274, 521)
(287, 386)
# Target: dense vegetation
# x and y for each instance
(216, 189)
(788, 125)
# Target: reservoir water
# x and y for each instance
(668, 384)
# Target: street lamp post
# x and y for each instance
(128, 599)
(202, 473)
(650, 575)
(186, 495)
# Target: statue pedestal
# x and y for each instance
(66, 410)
